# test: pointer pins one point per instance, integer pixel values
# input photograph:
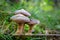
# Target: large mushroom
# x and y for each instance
(21, 20)
(22, 11)
(31, 25)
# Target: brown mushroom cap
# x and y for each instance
(34, 21)
(22, 11)
(19, 18)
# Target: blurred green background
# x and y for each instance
(47, 11)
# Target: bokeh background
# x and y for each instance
(46, 11)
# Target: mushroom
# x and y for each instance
(22, 11)
(21, 20)
(31, 25)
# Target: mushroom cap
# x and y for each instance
(19, 18)
(34, 21)
(22, 11)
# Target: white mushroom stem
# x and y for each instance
(20, 28)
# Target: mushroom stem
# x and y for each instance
(30, 29)
(20, 29)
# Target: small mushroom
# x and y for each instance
(21, 20)
(31, 25)
(22, 11)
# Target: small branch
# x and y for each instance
(58, 35)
